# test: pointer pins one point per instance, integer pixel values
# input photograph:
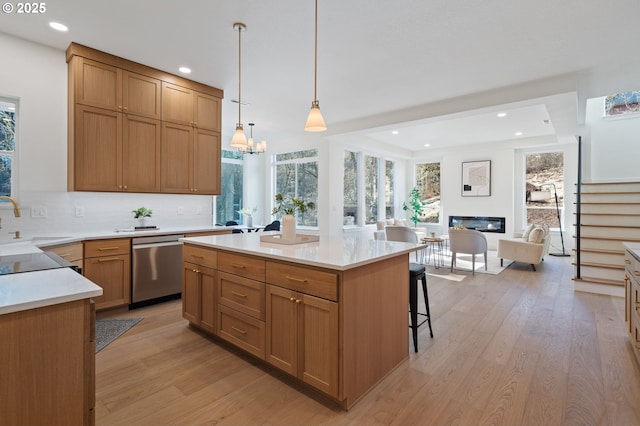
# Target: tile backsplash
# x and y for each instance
(70, 213)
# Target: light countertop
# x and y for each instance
(29, 290)
(338, 253)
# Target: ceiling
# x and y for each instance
(436, 71)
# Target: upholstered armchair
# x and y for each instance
(467, 241)
(530, 248)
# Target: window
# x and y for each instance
(230, 199)
(296, 175)
(368, 189)
(428, 184)
(8, 118)
(543, 171)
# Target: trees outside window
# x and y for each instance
(296, 175)
(368, 188)
(428, 184)
(8, 118)
(230, 199)
(542, 170)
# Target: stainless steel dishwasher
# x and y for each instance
(156, 269)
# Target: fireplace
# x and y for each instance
(479, 223)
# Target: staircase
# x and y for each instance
(609, 215)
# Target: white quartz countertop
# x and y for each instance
(634, 249)
(338, 253)
(29, 290)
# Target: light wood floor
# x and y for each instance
(519, 348)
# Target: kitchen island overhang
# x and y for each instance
(332, 313)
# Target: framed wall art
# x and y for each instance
(476, 178)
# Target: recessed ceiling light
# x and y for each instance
(185, 70)
(518, 133)
(395, 132)
(58, 26)
(502, 114)
(427, 145)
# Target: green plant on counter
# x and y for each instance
(291, 205)
(415, 206)
(141, 212)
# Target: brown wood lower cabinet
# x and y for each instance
(302, 337)
(198, 296)
(47, 365)
(108, 264)
(338, 331)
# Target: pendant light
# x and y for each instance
(239, 140)
(252, 148)
(315, 122)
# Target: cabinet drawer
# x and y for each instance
(200, 255)
(242, 265)
(308, 281)
(242, 294)
(243, 331)
(70, 252)
(107, 247)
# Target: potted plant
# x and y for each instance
(415, 206)
(249, 215)
(141, 214)
(289, 206)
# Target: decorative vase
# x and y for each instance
(249, 221)
(289, 227)
(142, 221)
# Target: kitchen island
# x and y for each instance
(47, 355)
(332, 313)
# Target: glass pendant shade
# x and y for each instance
(239, 139)
(315, 122)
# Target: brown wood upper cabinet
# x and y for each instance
(109, 87)
(189, 107)
(118, 112)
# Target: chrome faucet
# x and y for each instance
(16, 209)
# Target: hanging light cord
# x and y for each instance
(239, 71)
(315, 64)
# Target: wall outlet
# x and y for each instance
(79, 211)
(181, 210)
(39, 211)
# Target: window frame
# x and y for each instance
(238, 160)
(552, 206)
(13, 155)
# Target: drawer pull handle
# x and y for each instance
(64, 254)
(299, 280)
(293, 299)
(196, 271)
(239, 266)
(235, 293)
(108, 248)
(239, 330)
(636, 273)
(626, 278)
(196, 256)
(298, 300)
(108, 259)
(627, 261)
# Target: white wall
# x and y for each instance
(613, 144)
(37, 77)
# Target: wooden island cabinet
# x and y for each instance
(632, 295)
(108, 264)
(331, 314)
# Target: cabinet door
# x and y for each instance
(141, 154)
(206, 111)
(320, 343)
(190, 293)
(98, 150)
(112, 273)
(282, 329)
(176, 158)
(141, 95)
(208, 303)
(177, 104)
(206, 162)
(98, 84)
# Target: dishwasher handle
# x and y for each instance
(148, 245)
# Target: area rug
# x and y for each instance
(464, 263)
(109, 329)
